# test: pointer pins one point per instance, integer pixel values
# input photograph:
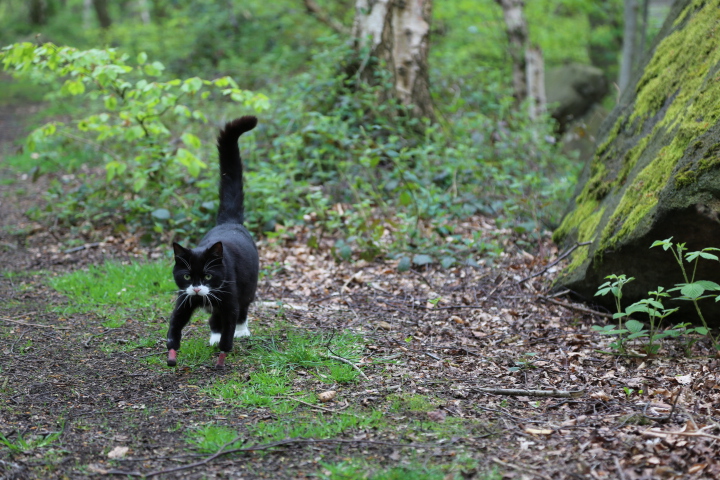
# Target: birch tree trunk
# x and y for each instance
(397, 32)
(535, 81)
(629, 39)
(517, 33)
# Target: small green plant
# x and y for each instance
(614, 285)
(26, 444)
(693, 290)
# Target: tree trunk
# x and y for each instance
(38, 12)
(397, 32)
(517, 33)
(535, 80)
(102, 13)
(629, 39)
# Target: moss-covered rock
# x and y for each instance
(572, 90)
(656, 171)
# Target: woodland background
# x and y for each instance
(404, 327)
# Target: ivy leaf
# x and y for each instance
(422, 259)
(404, 264)
(448, 261)
(161, 214)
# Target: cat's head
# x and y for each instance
(199, 273)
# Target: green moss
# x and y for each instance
(685, 177)
(586, 232)
(680, 78)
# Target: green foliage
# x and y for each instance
(327, 154)
(691, 290)
(142, 128)
(28, 444)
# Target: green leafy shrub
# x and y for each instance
(142, 128)
(690, 290)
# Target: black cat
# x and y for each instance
(221, 273)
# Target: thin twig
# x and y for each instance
(575, 307)
(318, 407)
(621, 474)
(555, 262)
(345, 360)
(5, 319)
(672, 410)
(314, 9)
(655, 433)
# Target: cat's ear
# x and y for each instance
(216, 250)
(179, 250)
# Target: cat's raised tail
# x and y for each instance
(231, 208)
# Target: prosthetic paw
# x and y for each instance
(172, 358)
(221, 360)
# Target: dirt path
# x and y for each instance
(76, 403)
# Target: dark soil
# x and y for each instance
(490, 331)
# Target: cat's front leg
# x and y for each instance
(179, 318)
(226, 336)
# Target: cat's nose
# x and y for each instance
(196, 289)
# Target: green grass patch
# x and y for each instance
(408, 402)
(209, 438)
(119, 292)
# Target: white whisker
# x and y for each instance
(184, 261)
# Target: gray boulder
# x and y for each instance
(656, 171)
(572, 90)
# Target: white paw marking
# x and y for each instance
(201, 290)
(242, 331)
(214, 338)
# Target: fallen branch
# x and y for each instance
(516, 392)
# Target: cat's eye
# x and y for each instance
(208, 276)
(186, 276)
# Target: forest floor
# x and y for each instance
(466, 373)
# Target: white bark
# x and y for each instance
(535, 77)
(517, 33)
(397, 32)
(629, 39)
